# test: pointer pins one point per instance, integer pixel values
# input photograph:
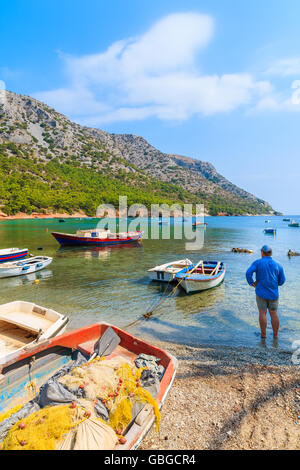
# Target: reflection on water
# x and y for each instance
(111, 283)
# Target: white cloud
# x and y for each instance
(285, 67)
(156, 74)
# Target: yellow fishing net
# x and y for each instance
(40, 430)
(115, 381)
(10, 412)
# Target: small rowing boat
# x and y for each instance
(270, 231)
(22, 379)
(23, 325)
(294, 224)
(202, 276)
(11, 254)
(166, 272)
(97, 237)
(30, 265)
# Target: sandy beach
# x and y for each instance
(230, 398)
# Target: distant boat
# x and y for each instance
(97, 237)
(24, 325)
(270, 231)
(166, 272)
(205, 275)
(286, 219)
(61, 220)
(294, 224)
(11, 254)
(267, 221)
(30, 265)
(199, 224)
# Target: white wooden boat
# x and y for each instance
(27, 266)
(23, 325)
(205, 275)
(166, 272)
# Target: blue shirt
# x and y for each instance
(269, 275)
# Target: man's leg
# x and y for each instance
(263, 323)
(275, 322)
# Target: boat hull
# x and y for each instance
(25, 269)
(13, 256)
(50, 356)
(190, 285)
(74, 240)
(161, 276)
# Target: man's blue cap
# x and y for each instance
(266, 249)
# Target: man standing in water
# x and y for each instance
(268, 276)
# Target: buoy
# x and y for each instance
(46, 230)
(36, 281)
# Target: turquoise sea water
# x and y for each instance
(111, 284)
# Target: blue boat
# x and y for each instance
(270, 231)
(12, 254)
(201, 276)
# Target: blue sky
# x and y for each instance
(217, 80)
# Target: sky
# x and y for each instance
(216, 80)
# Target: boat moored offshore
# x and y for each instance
(28, 266)
(166, 272)
(97, 237)
(12, 254)
(203, 276)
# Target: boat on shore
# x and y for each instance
(55, 356)
(11, 254)
(203, 276)
(97, 237)
(166, 272)
(294, 224)
(28, 266)
(23, 325)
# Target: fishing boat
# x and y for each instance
(199, 224)
(11, 254)
(294, 224)
(22, 378)
(19, 268)
(97, 237)
(270, 231)
(166, 272)
(202, 276)
(23, 325)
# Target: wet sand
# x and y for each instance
(230, 398)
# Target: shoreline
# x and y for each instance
(226, 397)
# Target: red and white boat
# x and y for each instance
(22, 377)
(12, 254)
(97, 237)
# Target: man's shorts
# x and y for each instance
(266, 304)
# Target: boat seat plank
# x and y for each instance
(29, 321)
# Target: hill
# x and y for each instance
(48, 163)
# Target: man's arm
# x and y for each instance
(281, 276)
(249, 274)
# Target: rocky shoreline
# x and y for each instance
(230, 398)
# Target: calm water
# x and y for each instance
(111, 283)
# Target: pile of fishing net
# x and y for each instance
(89, 406)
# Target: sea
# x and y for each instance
(111, 283)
